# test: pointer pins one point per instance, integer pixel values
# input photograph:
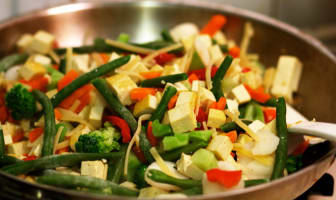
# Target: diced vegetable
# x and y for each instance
(227, 178)
(204, 159)
(122, 125)
(215, 24)
(160, 130)
(174, 142)
(216, 86)
(162, 80)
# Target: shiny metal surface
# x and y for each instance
(144, 20)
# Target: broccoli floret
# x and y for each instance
(99, 141)
(21, 102)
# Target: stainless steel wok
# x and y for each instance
(144, 20)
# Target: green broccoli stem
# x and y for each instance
(53, 161)
(2, 144)
(159, 176)
(73, 181)
(49, 123)
(86, 78)
(12, 60)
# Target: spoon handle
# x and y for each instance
(317, 129)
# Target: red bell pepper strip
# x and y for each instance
(139, 154)
(201, 116)
(28, 158)
(35, 133)
(301, 148)
(269, 114)
(18, 136)
(259, 95)
(200, 73)
(226, 178)
(38, 83)
(164, 58)
(150, 136)
(122, 125)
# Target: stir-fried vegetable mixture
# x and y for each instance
(192, 113)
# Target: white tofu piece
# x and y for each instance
(221, 146)
(182, 119)
(8, 130)
(94, 168)
(18, 148)
(241, 94)
(183, 30)
(135, 65)
(187, 98)
(42, 42)
(41, 59)
(216, 118)
(220, 37)
(171, 69)
(122, 85)
(145, 106)
(256, 125)
(216, 55)
(186, 167)
(31, 69)
(196, 85)
(80, 63)
(96, 115)
(267, 143)
(233, 106)
(287, 77)
(206, 97)
(24, 42)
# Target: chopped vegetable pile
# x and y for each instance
(192, 113)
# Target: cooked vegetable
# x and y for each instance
(115, 169)
(73, 181)
(64, 131)
(175, 154)
(216, 85)
(166, 36)
(162, 107)
(86, 78)
(193, 191)
(122, 125)
(253, 182)
(53, 161)
(2, 144)
(114, 103)
(159, 176)
(294, 163)
(103, 140)
(215, 24)
(8, 160)
(123, 37)
(230, 126)
(173, 142)
(254, 112)
(226, 178)
(49, 123)
(281, 127)
(163, 80)
(12, 60)
(21, 102)
(145, 146)
(140, 177)
(160, 130)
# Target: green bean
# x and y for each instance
(78, 50)
(159, 44)
(271, 102)
(253, 182)
(64, 131)
(86, 78)
(281, 127)
(145, 146)
(2, 143)
(230, 126)
(53, 161)
(8, 160)
(115, 171)
(176, 154)
(166, 36)
(49, 123)
(216, 83)
(192, 191)
(11, 60)
(162, 80)
(114, 103)
(259, 114)
(159, 176)
(140, 177)
(163, 105)
(62, 66)
(249, 112)
(73, 181)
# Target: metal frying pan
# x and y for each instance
(143, 20)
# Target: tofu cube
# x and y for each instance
(42, 42)
(18, 148)
(8, 130)
(206, 97)
(182, 119)
(95, 168)
(196, 85)
(171, 69)
(232, 106)
(287, 77)
(24, 42)
(145, 106)
(241, 94)
(216, 55)
(31, 69)
(256, 126)
(135, 66)
(187, 98)
(122, 85)
(221, 146)
(80, 63)
(216, 118)
(187, 168)
(96, 115)
(41, 59)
